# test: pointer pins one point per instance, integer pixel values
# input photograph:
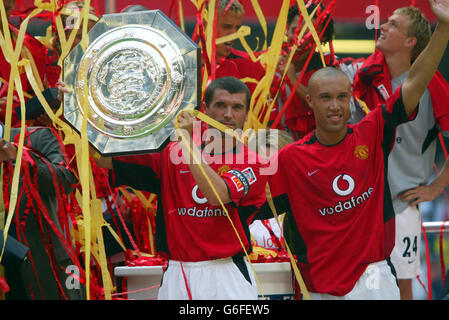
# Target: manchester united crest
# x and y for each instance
(361, 152)
(223, 169)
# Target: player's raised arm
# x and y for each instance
(185, 122)
(424, 67)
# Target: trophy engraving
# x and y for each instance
(134, 78)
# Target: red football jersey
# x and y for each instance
(239, 64)
(339, 212)
(49, 74)
(188, 228)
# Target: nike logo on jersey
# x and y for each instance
(312, 173)
(183, 171)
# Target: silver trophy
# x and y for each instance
(137, 73)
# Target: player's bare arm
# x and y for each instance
(424, 67)
(185, 123)
(101, 162)
(429, 192)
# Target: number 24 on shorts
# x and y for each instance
(408, 242)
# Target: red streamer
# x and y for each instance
(293, 92)
(306, 39)
(429, 276)
(443, 267)
(4, 287)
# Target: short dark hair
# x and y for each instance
(328, 33)
(234, 6)
(231, 85)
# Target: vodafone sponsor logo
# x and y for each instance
(196, 197)
(350, 185)
(200, 211)
(343, 185)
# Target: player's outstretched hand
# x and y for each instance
(440, 9)
(7, 151)
(186, 121)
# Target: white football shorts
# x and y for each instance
(376, 283)
(406, 252)
(219, 279)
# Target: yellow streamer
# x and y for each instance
(92, 213)
(268, 59)
(242, 32)
(287, 64)
(27, 95)
(308, 22)
(185, 140)
(262, 21)
(363, 104)
(47, 6)
(147, 203)
(296, 271)
(262, 93)
(13, 57)
(181, 16)
(209, 28)
(92, 217)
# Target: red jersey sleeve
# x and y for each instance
(244, 183)
(439, 93)
(394, 111)
(277, 185)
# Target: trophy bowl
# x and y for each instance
(137, 73)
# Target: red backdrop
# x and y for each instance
(345, 10)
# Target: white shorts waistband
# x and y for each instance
(200, 264)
